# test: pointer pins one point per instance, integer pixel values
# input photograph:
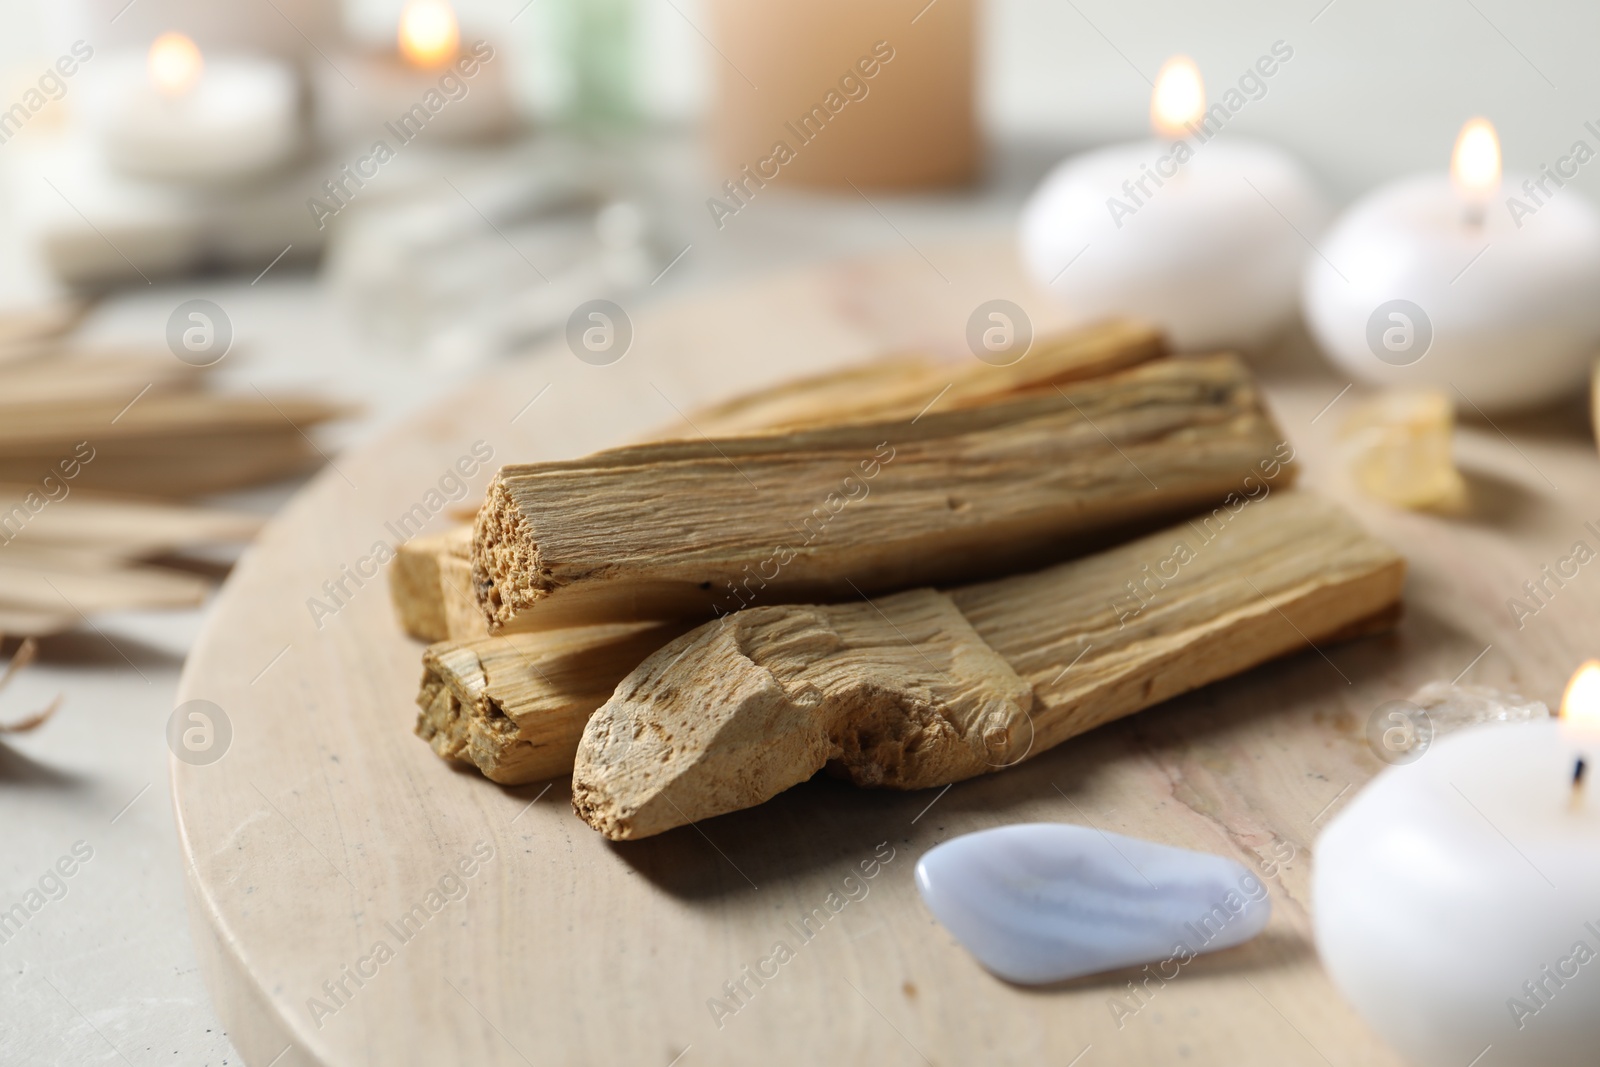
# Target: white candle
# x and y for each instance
(176, 115)
(460, 91)
(1456, 900)
(1430, 282)
(1191, 232)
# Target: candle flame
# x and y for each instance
(1475, 166)
(429, 34)
(1179, 97)
(175, 64)
(1580, 704)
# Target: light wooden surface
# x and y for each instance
(327, 820)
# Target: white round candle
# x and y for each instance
(1420, 286)
(1456, 902)
(1189, 232)
(458, 91)
(172, 115)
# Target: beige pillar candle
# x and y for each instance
(874, 92)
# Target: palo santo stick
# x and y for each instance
(430, 583)
(118, 525)
(55, 590)
(172, 466)
(924, 688)
(20, 622)
(25, 331)
(427, 582)
(515, 705)
(36, 555)
(692, 529)
(901, 388)
(164, 415)
(1594, 399)
(107, 375)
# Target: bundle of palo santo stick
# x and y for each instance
(98, 447)
(847, 580)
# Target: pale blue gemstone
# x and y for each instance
(1043, 902)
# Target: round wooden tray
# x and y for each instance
(327, 850)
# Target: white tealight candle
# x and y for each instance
(1457, 899)
(460, 92)
(1427, 282)
(1191, 232)
(176, 115)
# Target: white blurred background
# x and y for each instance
(1375, 90)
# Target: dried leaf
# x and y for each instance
(25, 654)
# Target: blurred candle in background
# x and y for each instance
(172, 114)
(175, 64)
(1430, 282)
(429, 35)
(426, 78)
(1200, 233)
(874, 92)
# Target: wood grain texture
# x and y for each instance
(898, 692)
(1594, 399)
(900, 387)
(92, 375)
(171, 465)
(701, 528)
(924, 688)
(24, 622)
(433, 590)
(515, 706)
(327, 820)
(113, 523)
(430, 585)
(1215, 595)
(24, 331)
(73, 582)
(65, 554)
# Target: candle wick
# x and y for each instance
(1474, 215)
(1577, 773)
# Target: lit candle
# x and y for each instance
(174, 114)
(1456, 900)
(426, 79)
(429, 35)
(1428, 282)
(1191, 231)
(1580, 721)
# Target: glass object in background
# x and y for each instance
(878, 93)
(598, 49)
(495, 261)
